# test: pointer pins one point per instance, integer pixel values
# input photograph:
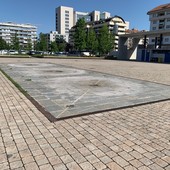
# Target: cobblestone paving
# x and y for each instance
(136, 138)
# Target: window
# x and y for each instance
(66, 15)
(66, 22)
(153, 15)
(153, 40)
(153, 28)
(67, 12)
(161, 14)
(161, 26)
(166, 39)
(168, 26)
(161, 21)
(168, 13)
(154, 22)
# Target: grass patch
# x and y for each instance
(47, 114)
(38, 55)
(15, 83)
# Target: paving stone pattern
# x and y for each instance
(65, 91)
(136, 138)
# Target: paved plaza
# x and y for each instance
(65, 91)
(136, 138)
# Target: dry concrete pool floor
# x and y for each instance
(65, 91)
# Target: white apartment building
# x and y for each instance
(78, 15)
(159, 18)
(26, 33)
(158, 47)
(105, 15)
(116, 25)
(66, 18)
(53, 36)
(92, 16)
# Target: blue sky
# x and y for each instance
(42, 12)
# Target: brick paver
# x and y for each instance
(131, 138)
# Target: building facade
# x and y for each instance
(78, 15)
(66, 18)
(157, 49)
(159, 18)
(116, 25)
(54, 36)
(26, 33)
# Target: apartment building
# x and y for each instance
(53, 36)
(157, 49)
(26, 33)
(159, 18)
(78, 15)
(116, 25)
(66, 18)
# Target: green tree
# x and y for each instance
(92, 42)
(15, 43)
(106, 40)
(3, 44)
(43, 42)
(29, 45)
(61, 44)
(80, 35)
(53, 47)
(37, 45)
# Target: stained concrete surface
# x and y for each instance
(67, 91)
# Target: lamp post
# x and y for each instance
(88, 26)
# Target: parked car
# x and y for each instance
(23, 52)
(13, 52)
(85, 53)
(3, 52)
(31, 52)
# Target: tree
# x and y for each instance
(15, 43)
(43, 44)
(37, 45)
(106, 40)
(29, 45)
(92, 42)
(61, 43)
(3, 44)
(80, 35)
(53, 47)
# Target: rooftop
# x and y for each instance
(160, 8)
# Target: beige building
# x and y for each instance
(116, 25)
(66, 18)
(159, 18)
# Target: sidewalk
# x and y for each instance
(136, 138)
